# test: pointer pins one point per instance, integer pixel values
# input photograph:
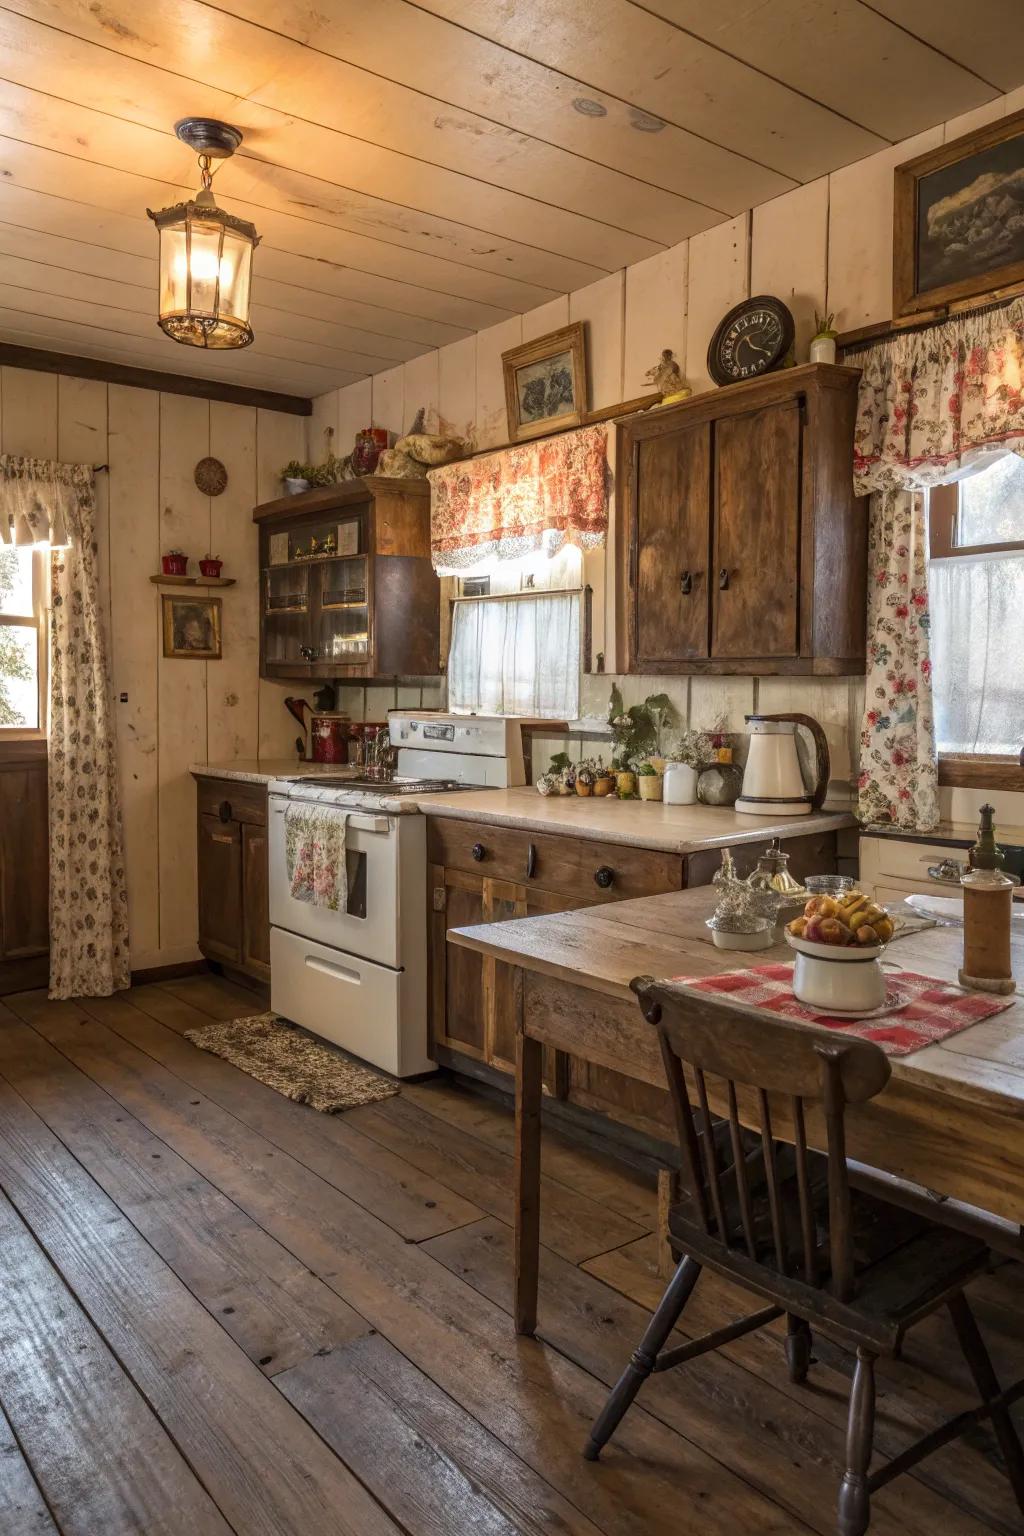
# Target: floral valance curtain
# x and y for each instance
(38, 498)
(933, 405)
(534, 496)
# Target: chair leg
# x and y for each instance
(646, 1353)
(798, 1347)
(854, 1494)
(987, 1383)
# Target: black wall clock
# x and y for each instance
(754, 337)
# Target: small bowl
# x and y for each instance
(828, 885)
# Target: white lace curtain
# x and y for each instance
(932, 406)
(518, 655)
(55, 503)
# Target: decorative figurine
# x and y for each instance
(738, 921)
(667, 376)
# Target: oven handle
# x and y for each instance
(357, 822)
(340, 972)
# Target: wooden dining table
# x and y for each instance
(950, 1122)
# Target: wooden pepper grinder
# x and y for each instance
(988, 914)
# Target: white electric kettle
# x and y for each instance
(773, 781)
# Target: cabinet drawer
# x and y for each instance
(889, 856)
(231, 800)
(567, 865)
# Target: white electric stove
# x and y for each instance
(359, 977)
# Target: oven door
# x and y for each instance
(369, 926)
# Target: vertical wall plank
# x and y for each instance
(133, 452)
(491, 416)
(457, 389)
(355, 411)
(82, 439)
(30, 413)
(600, 306)
(388, 394)
(718, 279)
(789, 255)
(546, 317)
(860, 233)
(655, 316)
(278, 439)
(233, 682)
(322, 428)
(185, 523)
(421, 386)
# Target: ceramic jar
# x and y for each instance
(823, 349)
(720, 784)
(680, 784)
(650, 785)
(625, 782)
(604, 784)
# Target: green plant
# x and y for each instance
(293, 470)
(560, 762)
(638, 731)
(647, 771)
(823, 325)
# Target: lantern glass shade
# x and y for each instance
(205, 274)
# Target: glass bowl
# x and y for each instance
(828, 885)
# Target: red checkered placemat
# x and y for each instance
(936, 1010)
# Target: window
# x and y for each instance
(518, 632)
(976, 592)
(23, 573)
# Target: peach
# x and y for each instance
(866, 934)
(832, 931)
(821, 906)
(798, 926)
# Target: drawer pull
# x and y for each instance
(604, 877)
(221, 837)
(224, 810)
(686, 583)
(339, 972)
(531, 861)
(723, 579)
(479, 852)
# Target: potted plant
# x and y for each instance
(649, 782)
(295, 477)
(585, 777)
(823, 342)
(638, 731)
(175, 563)
(563, 773)
(210, 565)
(604, 779)
(692, 751)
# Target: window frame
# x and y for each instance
(39, 621)
(968, 770)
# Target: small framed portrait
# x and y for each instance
(546, 383)
(959, 220)
(192, 628)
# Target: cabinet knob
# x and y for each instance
(308, 652)
(479, 852)
(723, 579)
(224, 810)
(686, 583)
(531, 861)
(604, 877)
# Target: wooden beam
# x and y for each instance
(76, 367)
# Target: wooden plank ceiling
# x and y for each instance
(421, 171)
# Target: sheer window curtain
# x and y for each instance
(517, 655)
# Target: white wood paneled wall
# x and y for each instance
(176, 712)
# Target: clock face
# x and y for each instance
(753, 337)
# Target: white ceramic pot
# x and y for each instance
(294, 486)
(826, 977)
(680, 784)
(823, 349)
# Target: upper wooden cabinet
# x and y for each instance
(346, 585)
(742, 547)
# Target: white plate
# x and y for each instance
(950, 909)
(894, 1002)
(843, 952)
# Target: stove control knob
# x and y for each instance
(604, 877)
(479, 852)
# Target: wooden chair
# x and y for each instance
(785, 1222)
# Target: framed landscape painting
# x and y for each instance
(959, 220)
(546, 383)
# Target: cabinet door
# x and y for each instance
(669, 552)
(255, 901)
(220, 889)
(456, 974)
(513, 901)
(757, 525)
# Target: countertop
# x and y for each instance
(260, 770)
(636, 823)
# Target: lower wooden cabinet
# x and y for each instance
(24, 866)
(233, 876)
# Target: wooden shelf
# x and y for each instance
(193, 581)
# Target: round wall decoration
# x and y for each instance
(211, 476)
(754, 337)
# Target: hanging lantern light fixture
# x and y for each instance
(205, 253)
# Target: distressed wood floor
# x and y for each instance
(221, 1312)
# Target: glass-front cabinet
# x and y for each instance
(347, 589)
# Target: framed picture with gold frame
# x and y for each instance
(546, 383)
(192, 628)
(958, 231)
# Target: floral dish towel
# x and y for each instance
(314, 840)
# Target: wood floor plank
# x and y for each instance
(374, 1407)
(213, 995)
(262, 1296)
(23, 1510)
(606, 1180)
(101, 1457)
(416, 1204)
(264, 1467)
(535, 1400)
(916, 1393)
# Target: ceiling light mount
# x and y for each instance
(207, 136)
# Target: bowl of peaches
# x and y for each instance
(838, 940)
